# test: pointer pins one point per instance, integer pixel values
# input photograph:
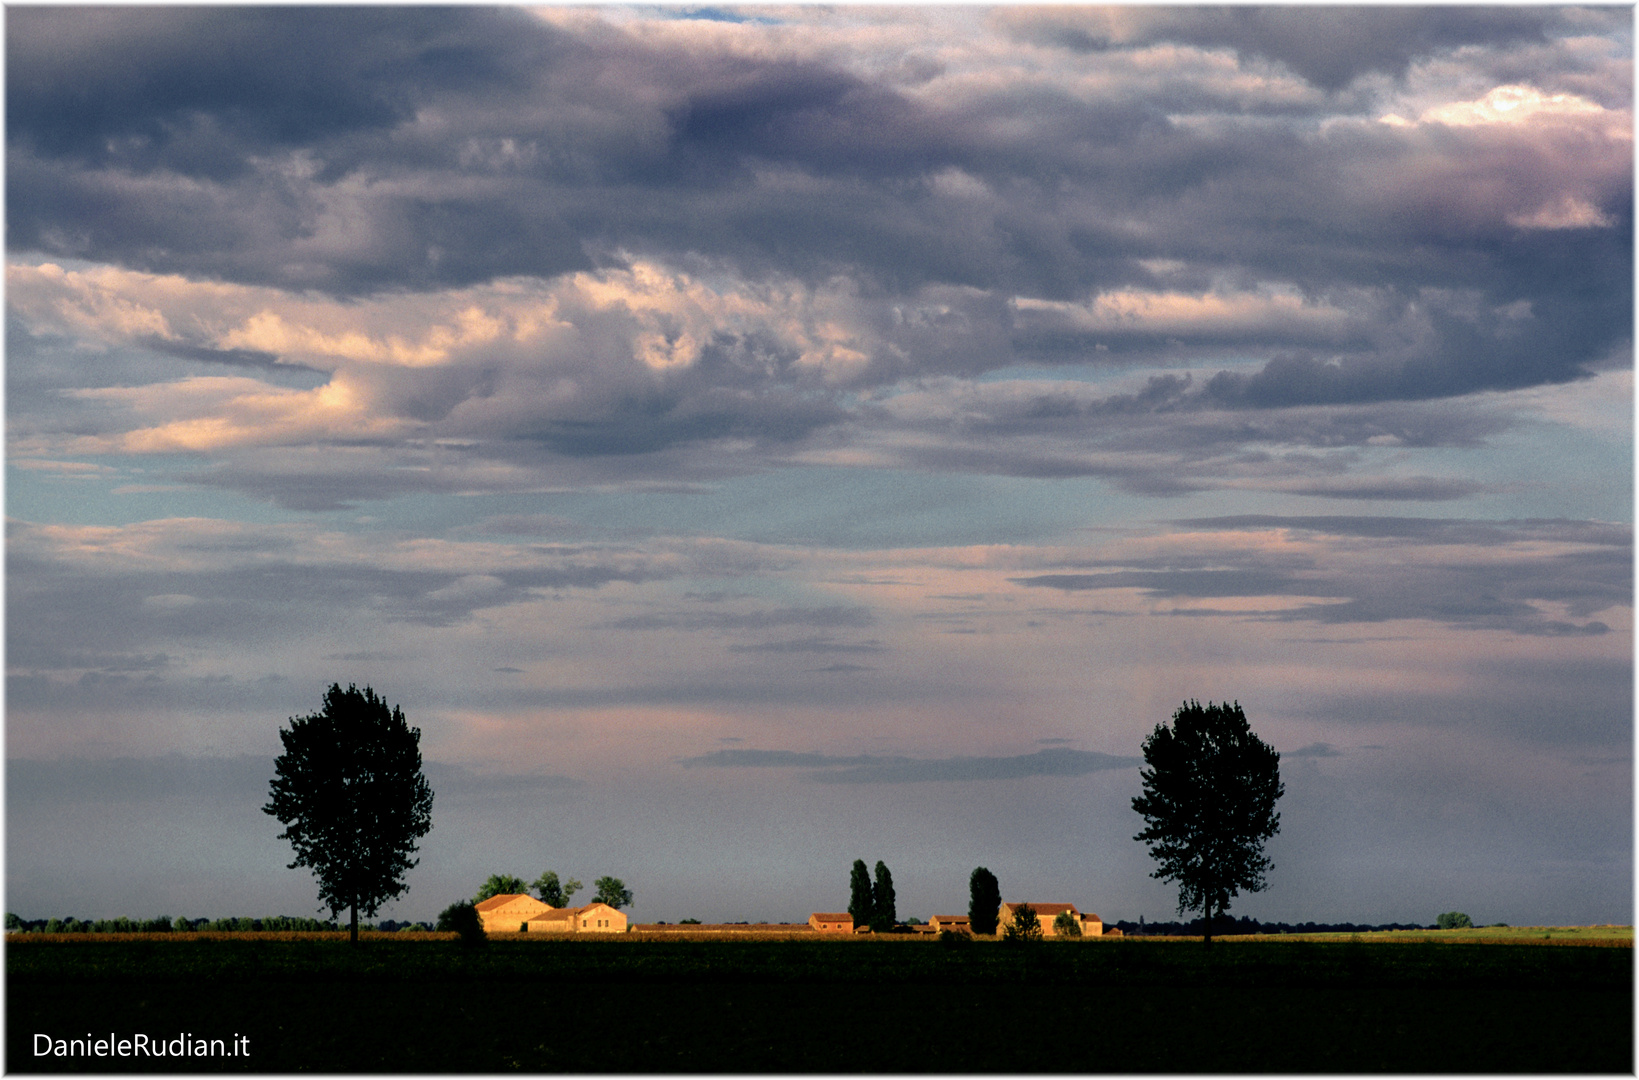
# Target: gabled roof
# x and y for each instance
(503, 899)
(1043, 909)
(826, 916)
(570, 912)
(951, 918)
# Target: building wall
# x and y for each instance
(602, 919)
(512, 915)
(1088, 928)
(831, 926)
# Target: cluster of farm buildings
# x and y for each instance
(522, 912)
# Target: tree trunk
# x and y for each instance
(1206, 923)
(353, 925)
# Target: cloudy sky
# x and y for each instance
(747, 440)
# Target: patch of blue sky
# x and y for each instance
(111, 491)
(1538, 470)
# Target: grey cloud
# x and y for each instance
(1313, 750)
(835, 616)
(667, 159)
(1190, 583)
(1328, 46)
(467, 145)
(1469, 593)
(874, 769)
(1428, 530)
(811, 645)
(1408, 488)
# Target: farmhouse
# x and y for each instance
(832, 923)
(593, 918)
(509, 911)
(1091, 925)
(960, 923)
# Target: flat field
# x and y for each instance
(407, 1003)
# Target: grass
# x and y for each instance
(407, 1003)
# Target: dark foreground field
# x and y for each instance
(829, 1006)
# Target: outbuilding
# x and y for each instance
(1047, 914)
(594, 918)
(509, 911)
(832, 922)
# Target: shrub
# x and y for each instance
(1025, 926)
(462, 918)
(955, 939)
(1067, 925)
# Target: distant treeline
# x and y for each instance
(1228, 924)
(167, 925)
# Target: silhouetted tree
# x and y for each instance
(553, 892)
(500, 885)
(884, 912)
(1067, 925)
(1453, 920)
(984, 901)
(462, 918)
(859, 890)
(611, 891)
(1210, 787)
(350, 793)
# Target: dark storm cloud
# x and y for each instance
(355, 150)
(875, 769)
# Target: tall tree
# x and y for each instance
(884, 913)
(859, 889)
(553, 892)
(353, 801)
(499, 885)
(1210, 787)
(611, 891)
(984, 903)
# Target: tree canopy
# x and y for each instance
(1210, 787)
(499, 885)
(984, 901)
(611, 891)
(350, 793)
(553, 892)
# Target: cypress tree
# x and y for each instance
(859, 887)
(984, 901)
(883, 912)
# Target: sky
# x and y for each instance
(747, 440)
